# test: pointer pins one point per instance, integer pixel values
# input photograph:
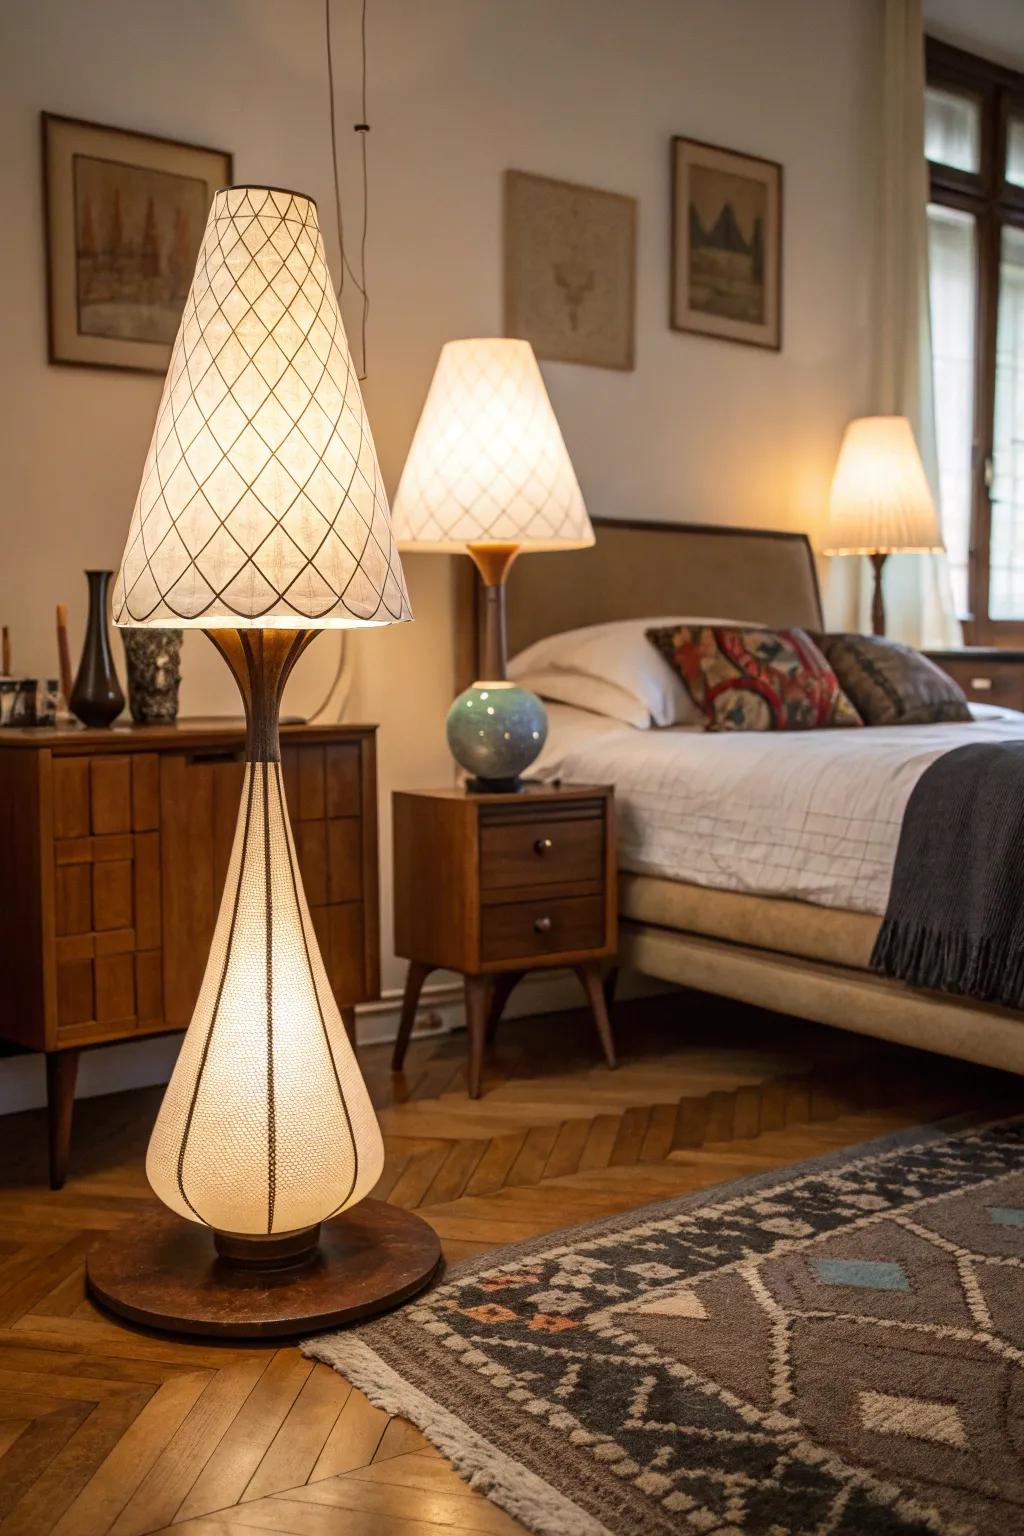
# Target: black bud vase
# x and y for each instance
(96, 697)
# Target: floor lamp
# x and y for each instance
(262, 519)
(880, 503)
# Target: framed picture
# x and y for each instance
(125, 215)
(570, 270)
(726, 244)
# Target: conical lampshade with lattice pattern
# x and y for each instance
(261, 502)
(488, 463)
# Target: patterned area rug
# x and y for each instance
(834, 1350)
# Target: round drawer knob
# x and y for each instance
(542, 846)
(542, 925)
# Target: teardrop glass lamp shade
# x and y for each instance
(266, 1126)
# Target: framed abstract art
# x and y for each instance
(570, 270)
(125, 214)
(726, 244)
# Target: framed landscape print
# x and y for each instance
(125, 215)
(570, 270)
(726, 244)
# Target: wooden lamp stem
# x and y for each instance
(878, 601)
(493, 561)
(261, 661)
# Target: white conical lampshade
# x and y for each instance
(880, 501)
(261, 501)
(266, 1125)
(488, 463)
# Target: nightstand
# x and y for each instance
(987, 674)
(495, 886)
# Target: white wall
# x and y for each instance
(993, 28)
(588, 90)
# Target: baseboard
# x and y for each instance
(142, 1063)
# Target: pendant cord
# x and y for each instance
(362, 128)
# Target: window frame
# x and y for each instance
(993, 201)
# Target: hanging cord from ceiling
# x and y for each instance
(332, 706)
(362, 128)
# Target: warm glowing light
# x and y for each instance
(488, 463)
(880, 500)
(266, 1125)
(261, 501)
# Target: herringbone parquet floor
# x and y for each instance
(107, 1429)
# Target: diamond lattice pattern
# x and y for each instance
(261, 500)
(488, 462)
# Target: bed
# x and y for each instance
(754, 866)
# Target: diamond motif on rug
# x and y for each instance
(1006, 1215)
(914, 1416)
(868, 1274)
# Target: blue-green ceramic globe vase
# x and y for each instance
(495, 730)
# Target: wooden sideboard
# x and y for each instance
(115, 849)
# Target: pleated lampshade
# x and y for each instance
(880, 501)
(261, 501)
(262, 509)
(488, 463)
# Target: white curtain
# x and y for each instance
(918, 592)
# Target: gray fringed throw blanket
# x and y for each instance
(955, 918)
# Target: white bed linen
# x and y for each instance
(814, 815)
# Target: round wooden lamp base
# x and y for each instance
(165, 1273)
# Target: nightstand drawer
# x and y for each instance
(985, 678)
(519, 930)
(541, 852)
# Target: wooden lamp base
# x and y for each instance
(165, 1273)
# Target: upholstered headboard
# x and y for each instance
(641, 570)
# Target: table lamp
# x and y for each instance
(488, 474)
(262, 519)
(880, 502)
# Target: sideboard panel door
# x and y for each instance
(199, 797)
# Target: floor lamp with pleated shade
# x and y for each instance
(262, 519)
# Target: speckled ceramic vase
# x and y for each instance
(495, 730)
(154, 674)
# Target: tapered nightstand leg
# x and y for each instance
(503, 988)
(477, 997)
(590, 976)
(61, 1072)
(414, 979)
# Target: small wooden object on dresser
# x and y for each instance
(987, 674)
(116, 845)
(496, 885)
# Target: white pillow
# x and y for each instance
(619, 655)
(590, 693)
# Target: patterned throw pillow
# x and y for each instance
(756, 679)
(892, 684)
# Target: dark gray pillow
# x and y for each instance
(892, 684)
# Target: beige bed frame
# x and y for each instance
(779, 954)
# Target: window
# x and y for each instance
(974, 143)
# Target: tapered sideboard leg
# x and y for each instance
(61, 1073)
(414, 979)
